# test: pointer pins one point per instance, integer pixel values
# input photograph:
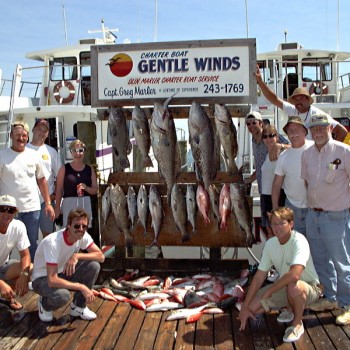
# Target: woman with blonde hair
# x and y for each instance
(76, 182)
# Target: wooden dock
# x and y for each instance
(119, 326)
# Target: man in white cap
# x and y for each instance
(325, 167)
(14, 274)
(299, 103)
(51, 164)
(21, 173)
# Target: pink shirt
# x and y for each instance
(327, 185)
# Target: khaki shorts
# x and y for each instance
(279, 300)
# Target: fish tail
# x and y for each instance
(147, 162)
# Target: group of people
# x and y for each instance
(310, 243)
(35, 189)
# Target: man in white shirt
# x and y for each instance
(14, 274)
(51, 164)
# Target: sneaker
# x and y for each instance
(344, 318)
(83, 312)
(285, 316)
(323, 304)
(30, 285)
(45, 316)
(272, 275)
(293, 333)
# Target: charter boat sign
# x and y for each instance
(210, 71)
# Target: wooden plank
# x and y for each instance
(92, 332)
(242, 339)
(317, 334)
(223, 333)
(204, 338)
(184, 338)
(148, 331)
(114, 327)
(166, 335)
(131, 329)
(336, 334)
(259, 333)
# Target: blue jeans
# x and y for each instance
(299, 217)
(328, 233)
(31, 221)
(86, 272)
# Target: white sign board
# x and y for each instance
(206, 71)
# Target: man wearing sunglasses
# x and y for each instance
(21, 173)
(60, 266)
(14, 274)
(299, 103)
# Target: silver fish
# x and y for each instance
(118, 130)
(203, 202)
(156, 211)
(142, 206)
(241, 209)
(178, 206)
(225, 205)
(214, 195)
(184, 313)
(191, 206)
(120, 211)
(106, 205)
(164, 144)
(132, 206)
(201, 137)
(228, 136)
(165, 306)
(142, 135)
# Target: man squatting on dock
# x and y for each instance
(61, 267)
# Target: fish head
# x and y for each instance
(221, 114)
(115, 117)
(197, 119)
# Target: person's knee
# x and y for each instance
(294, 290)
(61, 298)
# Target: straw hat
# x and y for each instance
(298, 92)
(296, 120)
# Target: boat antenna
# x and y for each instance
(156, 21)
(285, 35)
(106, 32)
(246, 18)
(65, 23)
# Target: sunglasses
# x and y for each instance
(10, 210)
(251, 123)
(78, 150)
(77, 226)
(270, 136)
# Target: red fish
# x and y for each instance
(203, 202)
(224, 206)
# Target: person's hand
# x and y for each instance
(258, 74)
(275, 152)
(6, 291)
(69, 267)
(50, 212)
(22, 285)
(244, 316)
(88, 294)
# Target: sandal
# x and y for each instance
(13, 304)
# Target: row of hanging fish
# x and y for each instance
(185, 202)
(161, 135)
(186, 297)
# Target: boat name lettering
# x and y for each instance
(163, 54)
(163, 65)
(209, 64)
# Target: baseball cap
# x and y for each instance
(296, 119)
(8, 201)
(319, 120)
(19, 123)
(253, 115)
(42, 122)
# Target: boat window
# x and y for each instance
(316, 69)
(266, 70)
(85, 73)
(64, 68)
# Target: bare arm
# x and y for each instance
(276, 190)
(340, 132)
(59, 190)
(267, 92)
(44, 190)
(23, 279)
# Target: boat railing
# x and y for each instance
(27, 88)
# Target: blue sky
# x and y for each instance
(27, 26)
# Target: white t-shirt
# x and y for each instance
(18, 174)
(51, 163)
(289, 166)
(56, 250)
(267, 175)
(15, 236)
(291, 110)
(295, 252)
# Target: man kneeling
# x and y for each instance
(297, 287)
(61, 267)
